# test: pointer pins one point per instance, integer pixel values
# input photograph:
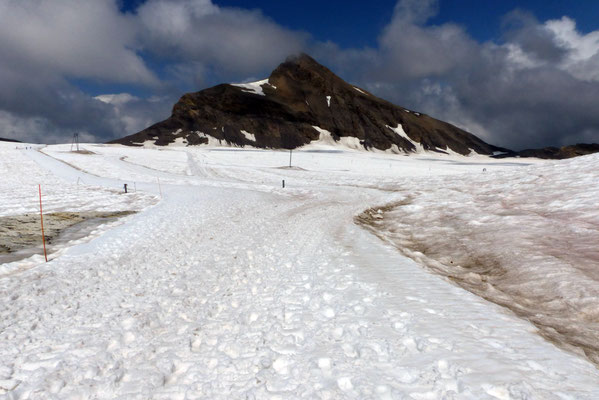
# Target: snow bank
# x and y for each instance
(253, 87)
(526, 239)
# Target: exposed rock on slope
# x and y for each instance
(558, 153)
(285, 110)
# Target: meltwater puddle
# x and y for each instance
(21, 238)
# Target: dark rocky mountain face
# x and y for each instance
(301, 94)
(283, 112)
(9, 140)
(555, 153)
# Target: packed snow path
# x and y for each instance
(259, 292)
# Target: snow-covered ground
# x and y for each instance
(20, 176)
(525, 239)
(233, 287)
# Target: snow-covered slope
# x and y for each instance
(20, 175)
(527, 240)
(233, 287)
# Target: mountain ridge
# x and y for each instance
(555, 153)
(300, 102)
(293, 107)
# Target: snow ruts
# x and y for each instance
(234, 293)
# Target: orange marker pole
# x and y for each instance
(42, 219)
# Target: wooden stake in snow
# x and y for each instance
(42, 219)
(159, 187)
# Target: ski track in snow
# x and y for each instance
(232, 287)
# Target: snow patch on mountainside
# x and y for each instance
(248, 136)
(400, 132)
(326, 139)
(253, 87)
(180, 141)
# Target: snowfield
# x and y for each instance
(20, 176)
(226, 285)
(526, 240)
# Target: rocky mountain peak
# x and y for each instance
(303, 68)
(301, 74)
(300, 102)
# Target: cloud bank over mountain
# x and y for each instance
(538, 84)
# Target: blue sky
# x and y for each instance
(516, 73)
(352, 24)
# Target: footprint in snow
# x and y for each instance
(345, 383)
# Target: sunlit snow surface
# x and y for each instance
(233, 287)
(528, 240)
(20, 176)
